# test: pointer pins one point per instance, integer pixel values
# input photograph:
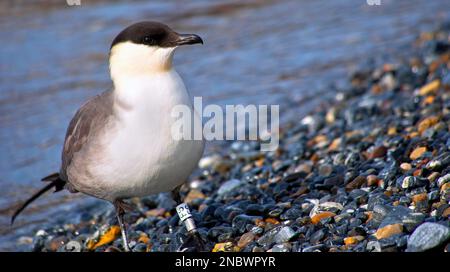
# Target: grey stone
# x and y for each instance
(316, 248)
(284, 235)
(428, 236)
(269, 237)
(72, 246)
(442, 180)
(229, 186)
(387, 215)
(373, 246)
(280, 248)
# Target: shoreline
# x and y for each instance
(366, 171)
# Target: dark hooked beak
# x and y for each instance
(188, 39)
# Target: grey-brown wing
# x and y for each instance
(91, 117)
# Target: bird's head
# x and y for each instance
(146, 47)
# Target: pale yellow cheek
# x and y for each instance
(163, 57)
(132, 58)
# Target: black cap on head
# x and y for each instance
(154, 34)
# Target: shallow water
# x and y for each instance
(263, 52)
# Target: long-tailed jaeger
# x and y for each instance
(119, 143)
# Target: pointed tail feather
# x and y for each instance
(52, 177)
(55, 181)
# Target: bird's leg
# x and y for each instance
(194, 240)
(176, 194)
(120, 211)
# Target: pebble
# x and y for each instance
(245, 239)
(25, 240)
(229, 186)
(72, 246)
(241, 221)
(268, 239)
(419, 198)
(378, 152)
(326, 206)
(356, 183)
(291, 214)
(372, 180)
(193, 195)
(417, 153)
(422, 127)
(225, 247)
(320, 216)
(443, 180)
(317, 236)
(315, 248)
(209, 161)
(388, 231)
(107, 237)
(285, 235)
(280, 248)
(428, 236)
(446, 213)
(373, 246)
(325, 170)
(353, 240)
(413, 182)
(430, 87)
(405, 166)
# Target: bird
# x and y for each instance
(119, 145)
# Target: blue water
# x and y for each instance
(268, 52)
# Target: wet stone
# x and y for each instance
(317, 236)
(254, 209)
(257, 230)
(402, 215)
(240, 222)
(322, 217)
(166, 202)
(341, 217)
(443, 180)
(245, 239)
(229, 186)
(293, 177)
(315, 248)
(325, 170)
(268, 239)
(284, 235)
(281, 248)
(378, 152)
(358, 195)
(373, 246)
(215, 232)
(72, 246)
(291, 214)
(428, 236)
(224, 237)
(433, 195)
(356, 183)
(411, 182)
(140, 247)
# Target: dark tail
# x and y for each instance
(55, 181)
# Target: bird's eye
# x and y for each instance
(148, 40)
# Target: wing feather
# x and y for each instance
(94, 113)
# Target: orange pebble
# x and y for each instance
(316, 218)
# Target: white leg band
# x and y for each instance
(185, 216)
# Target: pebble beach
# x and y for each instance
(365, 171)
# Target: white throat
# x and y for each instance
(128, 59)
(143, 76)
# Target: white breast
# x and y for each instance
(141, 157)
